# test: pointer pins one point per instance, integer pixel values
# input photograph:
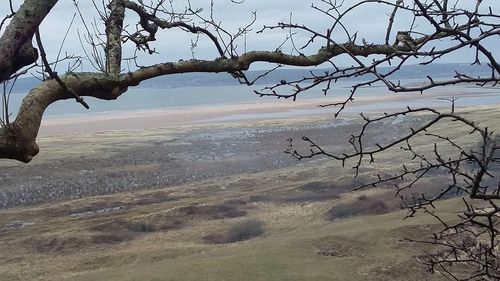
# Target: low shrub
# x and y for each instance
(362, 197)
(140, 227)
(119, 225)
(221, 211)
(245, 230)
(239, 231)
(111, 238)
(364, 205)
(171, 224)
(317, 186)
(311, 192)
(56, 243)
(120, 229)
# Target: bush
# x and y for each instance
(171, 224)
(364, 205)
(240, 231)
(120, 225)
(140, 227)
(362, 197)
(221, 211)
(111, 238)
(167, 221)
(245, 230)
(56, 244)
(317, 186)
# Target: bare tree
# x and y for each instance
(428, 31)
(17, 140)
(470, 248)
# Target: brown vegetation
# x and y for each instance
(240, 231)
(365, 205)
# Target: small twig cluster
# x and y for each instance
(460, 28)
(471, 171)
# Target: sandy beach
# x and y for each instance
(239, 112)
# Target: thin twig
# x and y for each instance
(53, 74)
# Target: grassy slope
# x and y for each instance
(369, 244)
(60, 247)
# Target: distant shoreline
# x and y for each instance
(95, 155)
(245, 111)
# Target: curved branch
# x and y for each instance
(17, 141)
(52, 74)
(244, 61)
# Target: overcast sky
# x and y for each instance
(370, 22)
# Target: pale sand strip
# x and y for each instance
(159, 118)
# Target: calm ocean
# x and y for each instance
(144, 99)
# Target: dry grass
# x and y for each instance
(240, 231)
(159, 234)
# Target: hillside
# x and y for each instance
(285, 222)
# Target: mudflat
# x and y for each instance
(107, 153)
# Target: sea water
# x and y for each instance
(136, 99)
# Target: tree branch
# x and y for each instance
(114, 25)
(54, 75)
(102, 86)
(15, 43)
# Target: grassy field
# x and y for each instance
(168, 233)
(159, 235)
